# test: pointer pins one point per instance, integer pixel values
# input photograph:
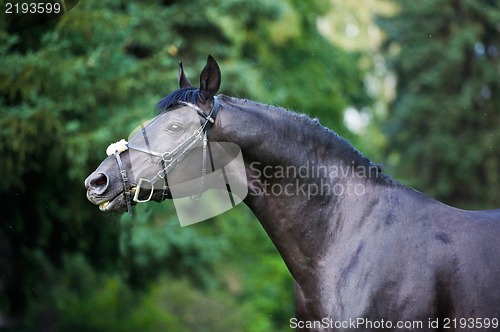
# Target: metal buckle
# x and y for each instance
(167, 157)
(138, 190)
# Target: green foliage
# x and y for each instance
(86, 301)
(230, 252)
(153, 241)
(443, 126)
(261, 280)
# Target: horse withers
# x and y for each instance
(365, 251)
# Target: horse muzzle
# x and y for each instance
(104, 193)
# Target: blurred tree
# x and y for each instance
(69, 87)
(351, 26)
(443, 126)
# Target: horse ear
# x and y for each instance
(210, 79)
(183, 80)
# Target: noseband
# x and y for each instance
(168, 159)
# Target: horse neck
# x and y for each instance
(296, 170)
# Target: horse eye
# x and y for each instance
(175, 128)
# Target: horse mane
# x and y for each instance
(187, 95)
(343, 149)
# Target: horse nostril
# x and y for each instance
(99, 181)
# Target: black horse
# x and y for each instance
(365, 251)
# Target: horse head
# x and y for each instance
(169, 150)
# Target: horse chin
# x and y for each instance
(118, 204)
(159, 196)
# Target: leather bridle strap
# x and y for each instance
(126, 183)
(210, 118)
(164, 193)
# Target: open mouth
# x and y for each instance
(117, 203)
(105, 205)
(111, 204)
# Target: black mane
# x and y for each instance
(187, 95)
(343, 149)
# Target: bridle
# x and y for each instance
(168, 159)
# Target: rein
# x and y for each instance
(168, 159)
